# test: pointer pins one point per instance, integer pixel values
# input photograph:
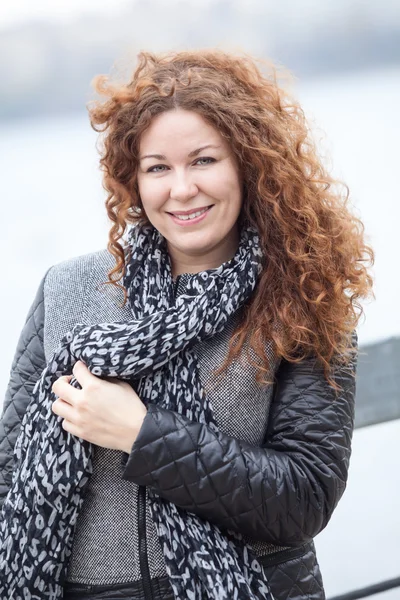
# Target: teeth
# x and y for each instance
(191, 216)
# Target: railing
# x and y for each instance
(370, 590)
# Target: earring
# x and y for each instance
(136, 209)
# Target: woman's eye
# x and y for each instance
(205, 160)
(156, 169)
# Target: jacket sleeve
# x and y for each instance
(27, 366)
(284, 492)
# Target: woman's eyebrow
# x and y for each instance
(196, 152)
(157, 156)
(190, 155)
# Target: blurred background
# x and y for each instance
(344, 56)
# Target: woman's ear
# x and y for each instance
(136, 209)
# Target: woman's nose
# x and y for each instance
(183, 188)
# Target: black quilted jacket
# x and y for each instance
(283, 492)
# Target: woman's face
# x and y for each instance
(187, 167)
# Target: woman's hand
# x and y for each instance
(105, 413)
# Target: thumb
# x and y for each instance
(82, 373)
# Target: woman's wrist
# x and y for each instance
(133, 432)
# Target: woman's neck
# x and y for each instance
(182, 262)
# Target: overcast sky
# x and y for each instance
(16, 11)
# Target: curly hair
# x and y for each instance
(315, 271)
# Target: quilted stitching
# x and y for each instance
(285, 499)
(283, 493)
(26, 369)
(297, 579)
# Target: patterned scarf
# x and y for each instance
(52, 467)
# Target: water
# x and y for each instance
(360, 547)
(53, 209)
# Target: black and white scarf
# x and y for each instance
(52, 467)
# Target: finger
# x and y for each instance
(63, 410)
(64, 390)
(71, 428)
(83, 375)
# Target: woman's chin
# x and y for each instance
(193, 243)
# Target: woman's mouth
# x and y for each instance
(191, 218)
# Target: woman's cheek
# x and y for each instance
(155, 191)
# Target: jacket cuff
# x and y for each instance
(151, 445)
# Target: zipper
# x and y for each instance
(142, 533)
(283, 555)
(266, 561)
(143, 561)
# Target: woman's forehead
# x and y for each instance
(184, 128)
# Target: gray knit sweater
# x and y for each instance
(105, 548)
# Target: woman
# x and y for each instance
(190, 430)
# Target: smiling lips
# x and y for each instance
(187, 217)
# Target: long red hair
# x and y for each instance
(316, 260)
